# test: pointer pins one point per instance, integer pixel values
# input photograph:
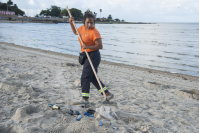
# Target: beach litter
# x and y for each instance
(53, 106)
(105, 112)
(115, 128)
(100, 123)
(73, 112)
(78, 118)
(88, 114)
(91, 111)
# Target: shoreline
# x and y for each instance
(146, 100)
(102, 61)
(55, 22)
(7, 21)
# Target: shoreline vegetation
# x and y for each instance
(61, 21)
(16, 19)
(10, 11)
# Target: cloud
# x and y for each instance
(31, 2)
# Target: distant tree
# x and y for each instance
(10, 3)
(117, 20)
(100, 12)
(107, 20)
(15, 6)
(95, 14)
(18, 11)
(98, 19)
(45, 12)
(109, 17)
(52, 11)
(64, 11)
(3, 6)
(55, 11)
(76, 13)
(122, 20)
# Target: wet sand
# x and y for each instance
(147, 100)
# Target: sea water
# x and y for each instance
(172, 47)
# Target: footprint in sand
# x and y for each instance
(194, 94)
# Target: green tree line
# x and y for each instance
(55, 11)
(11, 7)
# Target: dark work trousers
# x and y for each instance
(88, 75)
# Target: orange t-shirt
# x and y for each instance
(88, 37)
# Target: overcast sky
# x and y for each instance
(128, 10)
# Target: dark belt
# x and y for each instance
(90, 52)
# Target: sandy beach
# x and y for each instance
(148, 101)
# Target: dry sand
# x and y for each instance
(147, 100)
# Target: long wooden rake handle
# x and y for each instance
(88, 56)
